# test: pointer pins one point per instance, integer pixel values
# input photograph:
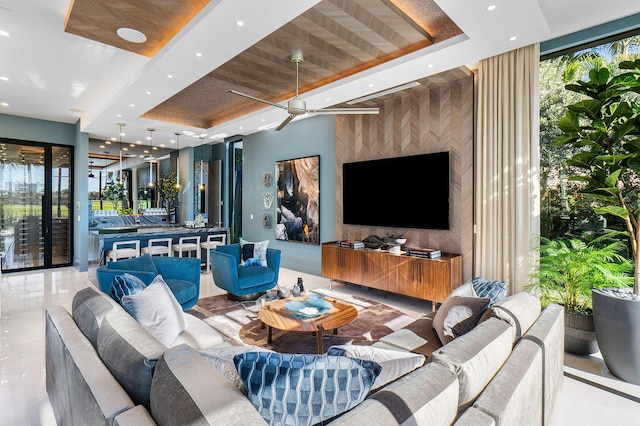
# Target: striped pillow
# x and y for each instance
(125, 285)
(493, 290)
(304, 389)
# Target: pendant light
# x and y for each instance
(91, 175)
(178, 161)
(151, 157)
(121, 125)
(201, 165)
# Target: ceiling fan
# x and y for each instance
(297, 106)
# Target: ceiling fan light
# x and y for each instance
(297, 106)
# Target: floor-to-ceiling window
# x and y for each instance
(35, 186)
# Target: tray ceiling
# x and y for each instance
(160, 21)
(338, 38)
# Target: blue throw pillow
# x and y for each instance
(493, 290)
(253, 261)
(304, 389)
(125, 285)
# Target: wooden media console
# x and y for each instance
(422, 278)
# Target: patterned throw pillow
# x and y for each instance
(252, 250)
(494, 290)
(125, 285)
(304, 389)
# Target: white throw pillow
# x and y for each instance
(222, 360)
(465, 290)
(157, 311)
(395, 364)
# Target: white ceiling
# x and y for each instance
(61, 77)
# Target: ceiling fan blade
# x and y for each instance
(344, 111)
(256, 99)
(285, 122)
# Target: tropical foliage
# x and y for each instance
(588, 104)
(564, 209)
(603, 128)
(569, 269)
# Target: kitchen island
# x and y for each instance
(100, 241)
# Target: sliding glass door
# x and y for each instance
(35, 197)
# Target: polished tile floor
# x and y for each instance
(25, 296)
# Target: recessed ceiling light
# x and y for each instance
(199, 55)
(125, 149)
(328, 99)
(119, 115)
(4, 104)
(132, 105)
(169, 76)
(430, 66)
(513, 38)
(162, 145)
(4, 33)
(102, 146)
(240, 23)
(4, 78)
(491, 7)
(139, 142)
(146, 151)
(240, 127)
(107, 142)
(148, 92)
(371, 85)
(132, 145)
(263, 120)
(115, 139)
(131, 35)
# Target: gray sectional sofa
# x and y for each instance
(103, 368)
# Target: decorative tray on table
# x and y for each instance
(310, 307)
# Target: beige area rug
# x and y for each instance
(239, 321)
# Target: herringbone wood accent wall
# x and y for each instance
(431, 118)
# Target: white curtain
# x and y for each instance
(506, 173)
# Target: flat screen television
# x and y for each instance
(400, 192)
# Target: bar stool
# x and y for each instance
(213, 241)
(159, 247)
(123, 250)
(187, 244)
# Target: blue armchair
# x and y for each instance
(241, 281)
(182, 275)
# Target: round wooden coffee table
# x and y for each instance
(275, 315)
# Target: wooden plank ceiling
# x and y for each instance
(337, 38)
(100, 20)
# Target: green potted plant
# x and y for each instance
(569, 270)
(604, 129)
(113, 192)
(169, 191)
